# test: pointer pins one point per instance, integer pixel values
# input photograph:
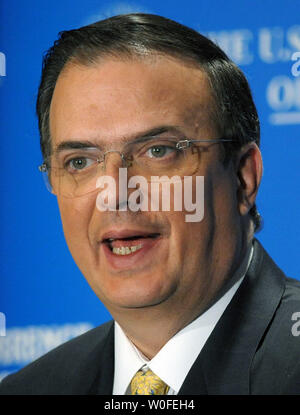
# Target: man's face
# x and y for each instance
(178, 264)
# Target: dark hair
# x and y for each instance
(136, 34)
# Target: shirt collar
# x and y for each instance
(166, 364)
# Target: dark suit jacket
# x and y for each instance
(252, 349)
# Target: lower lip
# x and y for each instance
(139, 257)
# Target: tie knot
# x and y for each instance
(148, 383)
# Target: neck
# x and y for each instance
(150, 331)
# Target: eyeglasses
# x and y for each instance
(74, 172)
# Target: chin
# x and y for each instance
(135, 291)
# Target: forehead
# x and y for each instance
(114, 99)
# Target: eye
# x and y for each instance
(160, 150)
(78, 164)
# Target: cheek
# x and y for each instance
(192, 228)
(225, 202)
(75, 215)
(215, 213)
(188, 240)
(221, 220)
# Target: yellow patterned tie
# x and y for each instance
(147, 383)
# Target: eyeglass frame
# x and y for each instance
(180, 145)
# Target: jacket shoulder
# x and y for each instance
(53, 373)
(277, 357)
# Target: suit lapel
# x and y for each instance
(103, 361)
(95, 371)
(223, 366)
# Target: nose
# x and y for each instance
(114, 156)
(114, 181)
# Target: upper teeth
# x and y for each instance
(126, 250)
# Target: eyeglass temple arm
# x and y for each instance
(43, 168)
(182, 144)
(216, 140)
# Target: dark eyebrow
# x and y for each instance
(140, 137)
(73, 145)
(159, 130)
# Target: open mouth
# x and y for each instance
(128, 245)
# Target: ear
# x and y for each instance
(249, 172)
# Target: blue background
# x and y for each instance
(40, 284)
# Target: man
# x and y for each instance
(199, 307)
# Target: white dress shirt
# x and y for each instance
(175, 359)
